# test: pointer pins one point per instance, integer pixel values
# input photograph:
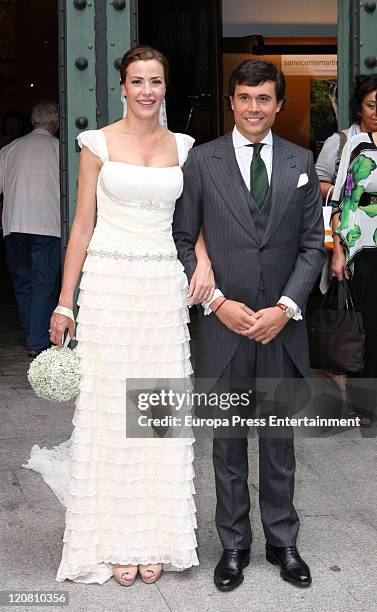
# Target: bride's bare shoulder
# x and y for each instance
(117, 126)
(169, 135)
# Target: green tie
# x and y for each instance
(258, 175)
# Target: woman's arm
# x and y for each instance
(325, 188)
(338, 262)
(326, 162)
(201, 249)
(81, 233)
(202, 283)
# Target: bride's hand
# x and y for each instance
(202, 284)
(58, 325)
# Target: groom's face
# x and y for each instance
(255, 109)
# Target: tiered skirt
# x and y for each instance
(130, 500)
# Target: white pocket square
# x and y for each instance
(302, 180)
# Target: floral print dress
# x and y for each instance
(355, 195)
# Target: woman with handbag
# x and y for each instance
(354, 223)
(130, 505)
(362, 110)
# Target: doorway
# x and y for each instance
(205, 39)
(189, 34)
(302, 41)
(28, 73)
(29, 55)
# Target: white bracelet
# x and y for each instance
(67, 312)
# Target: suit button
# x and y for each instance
(261, 248)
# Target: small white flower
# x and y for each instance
(55, 374)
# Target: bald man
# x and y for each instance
(29, 180)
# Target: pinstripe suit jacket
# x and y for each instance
(288, 257)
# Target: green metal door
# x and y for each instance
(93, 36)
(357, 48)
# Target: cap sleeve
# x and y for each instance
(184, 144)
(95, 141)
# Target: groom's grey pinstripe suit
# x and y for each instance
(256, 259)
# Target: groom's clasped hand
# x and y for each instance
(261, 326)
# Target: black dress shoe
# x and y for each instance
(293, 568)
(228, 572)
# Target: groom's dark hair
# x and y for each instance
(255, 72)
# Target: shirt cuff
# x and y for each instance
(206, 305)
(291, 304)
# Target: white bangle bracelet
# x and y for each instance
(67, 312)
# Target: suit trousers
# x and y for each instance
(34, 262)
(276, 458)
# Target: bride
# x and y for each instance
(129, 502)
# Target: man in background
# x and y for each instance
(29, 180)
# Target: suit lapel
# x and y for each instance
(227, 177)
(285, 174)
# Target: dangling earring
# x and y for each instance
(163, 120)
(125, 106)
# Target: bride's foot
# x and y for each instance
(125, 574)
(150, 573)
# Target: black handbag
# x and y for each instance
(337, 336)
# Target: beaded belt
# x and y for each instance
(133, 256)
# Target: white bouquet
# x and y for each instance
(55, 374)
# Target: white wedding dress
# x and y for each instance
(128, 501)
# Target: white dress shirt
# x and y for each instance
(29, 180)
(244, 155)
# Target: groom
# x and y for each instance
(257, 198)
